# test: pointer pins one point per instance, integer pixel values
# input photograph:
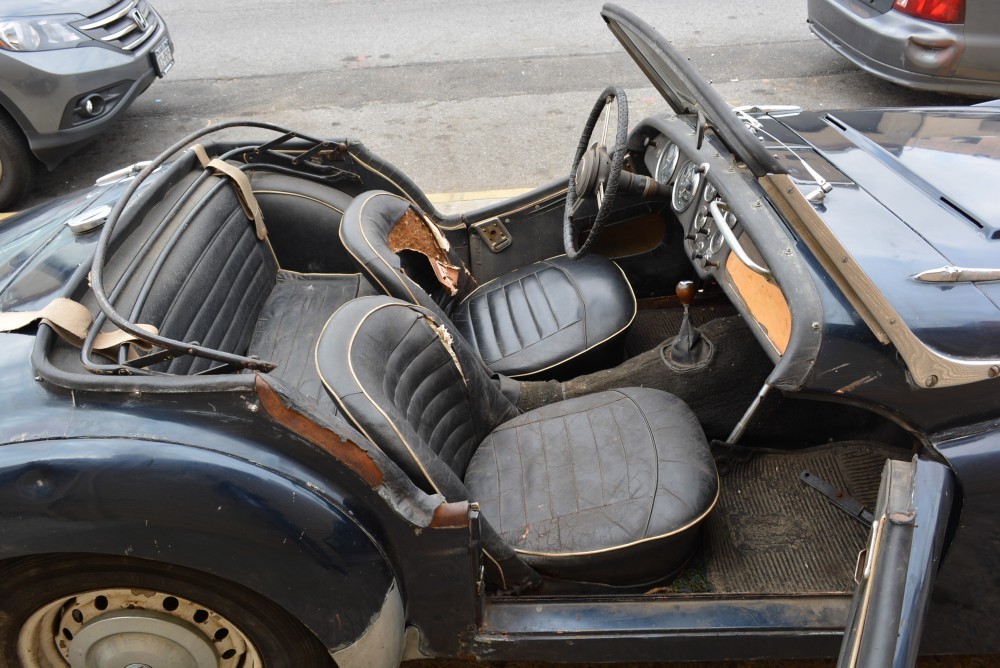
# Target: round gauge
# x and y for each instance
(701, 221)
(667, 163)
(715, 242)
(686, 186)
(709, 193)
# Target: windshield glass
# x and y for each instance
(684, 89)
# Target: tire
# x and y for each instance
(130, 611)
(17, 164)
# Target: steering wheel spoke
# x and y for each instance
(596, 171)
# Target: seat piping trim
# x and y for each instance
(604, 550)
(350, 366)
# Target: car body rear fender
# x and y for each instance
(286, 539)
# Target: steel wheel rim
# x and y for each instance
(132, 628)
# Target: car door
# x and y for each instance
(897, 570)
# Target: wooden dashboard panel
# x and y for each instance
(764, 301)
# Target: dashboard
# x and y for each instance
(708, 197)
(692, 196)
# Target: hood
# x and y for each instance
(20, 8)
(685, 89)
(953, 155)
(911, 194)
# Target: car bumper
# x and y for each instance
(50, 84)
(891, 45)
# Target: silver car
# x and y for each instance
(67, 70)
(950, 46)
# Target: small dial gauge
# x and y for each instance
(702, 221)
(666, 164)
(686, 186)
(709, 193)
(715, 242)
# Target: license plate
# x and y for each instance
(163, 57)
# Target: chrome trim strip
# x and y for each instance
(953, 274)
(121, 33)
(111, 19)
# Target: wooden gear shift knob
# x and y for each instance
(686, 292)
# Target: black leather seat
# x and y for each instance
(607, 488)
(536, 321)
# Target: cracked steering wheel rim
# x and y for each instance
(610, 185)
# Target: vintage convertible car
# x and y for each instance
(727, 391)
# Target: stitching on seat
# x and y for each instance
(572, 464)
(168, 312)
(520, 463)
(621, 440)
(291, 194)
(600, 469)
(531, 311)
(493, 324)
(583, 303)
(512, 319)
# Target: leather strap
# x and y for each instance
(72, 320)
(244, 191)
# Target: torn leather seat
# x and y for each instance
(608, 488)
(534, 321)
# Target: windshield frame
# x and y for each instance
(684, 89)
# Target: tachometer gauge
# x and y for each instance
(685, 187)
(709, 193)
(667, 163)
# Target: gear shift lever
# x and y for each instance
(689, 349)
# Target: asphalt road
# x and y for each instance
(464, 96)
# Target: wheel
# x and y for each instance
(17, 165)
(595, 172)
(97, 611)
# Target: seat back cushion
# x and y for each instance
(214, 278)
(303, 221)
(422, 397)
(398, 250)
(419, 394)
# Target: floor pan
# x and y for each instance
(771, 533)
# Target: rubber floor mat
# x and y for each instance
(771, 533)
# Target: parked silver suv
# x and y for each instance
(65, 77)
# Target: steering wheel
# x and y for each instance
(595, 172)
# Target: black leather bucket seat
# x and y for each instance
(607, 488)
(535, 321)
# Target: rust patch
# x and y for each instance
(451, 515)
(345, 451)
(414, 233)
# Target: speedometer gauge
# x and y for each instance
(667, 163)
(685, 186)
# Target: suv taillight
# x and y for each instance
(940, 11)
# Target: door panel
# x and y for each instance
(900, 563)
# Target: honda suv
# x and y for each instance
(65, 77)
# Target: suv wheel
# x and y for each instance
(17, 165)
